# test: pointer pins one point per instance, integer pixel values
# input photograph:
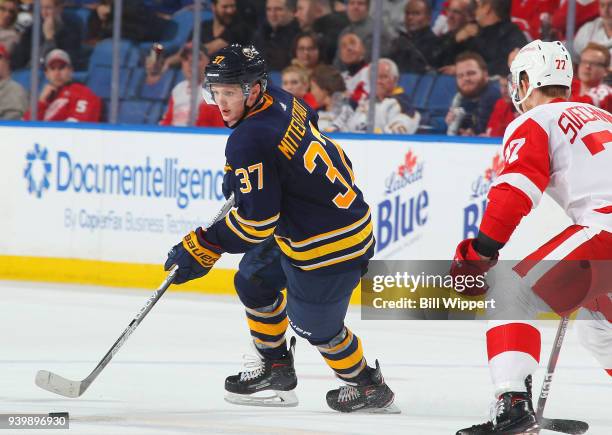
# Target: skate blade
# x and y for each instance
(279, 399)
(389, 409)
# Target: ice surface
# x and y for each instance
(168, 377)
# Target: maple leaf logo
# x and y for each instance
(407, 168)
(496, 167)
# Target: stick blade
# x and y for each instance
(58, 384)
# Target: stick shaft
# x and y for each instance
(552, 364)
(157, 294)
(74, 389)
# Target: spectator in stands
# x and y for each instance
(394, 112)
(496, 35)
(504, 111)
(592, 69)
(139, 22)
(460, 25)
(296, 81)
(476, 96)
(392, 15)
(59, 30)
(328, 88)
(13, 98)
(179, 106)
(318, 17)
(361, 24)
(586, 10)
(534, 17)
(413, 50)
(356, 73)
(24, 16)
(306, 51)
(9, 36)
(275, 38)
(62, 99)
(224, 29)
(599, 30)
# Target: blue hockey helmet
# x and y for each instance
(237, 64)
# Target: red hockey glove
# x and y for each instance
(194, 255)
(469, 270)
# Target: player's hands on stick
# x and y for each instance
(469, 263)
(194, 256)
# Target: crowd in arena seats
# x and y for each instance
(443, 66)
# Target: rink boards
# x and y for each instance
(102, 205)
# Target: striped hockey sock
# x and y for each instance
(514, 353)
(268, 326)
(344, 354)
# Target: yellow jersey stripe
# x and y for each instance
(329, 234)
(329, 248)
(256, 233)
(268, 328)
(349, 361)
(231, 226)
(255, 223)
(338, 259)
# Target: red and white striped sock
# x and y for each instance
(514, 353)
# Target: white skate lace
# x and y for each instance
(254, 367)
(496, 409)
(347, 393)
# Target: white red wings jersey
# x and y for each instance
(565, 149)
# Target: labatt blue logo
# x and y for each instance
(402, 211)
(164, 177)
(472, 214)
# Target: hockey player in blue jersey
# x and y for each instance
(295, 184)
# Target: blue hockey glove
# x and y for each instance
(194, 256)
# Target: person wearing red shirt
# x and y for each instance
(533, 16)
(62, 99)
(503, 112)
(592, 70)
(180, 100)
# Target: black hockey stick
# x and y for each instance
(556, 424)
(57, 384)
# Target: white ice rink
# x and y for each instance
(168, 377)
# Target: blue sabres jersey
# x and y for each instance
(293, 182)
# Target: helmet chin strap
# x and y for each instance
(518, 103)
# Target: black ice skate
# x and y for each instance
(513, 414)
(274, 379)
(366, 393)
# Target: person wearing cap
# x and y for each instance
(13, 98)
(62, 99)
(179, 104)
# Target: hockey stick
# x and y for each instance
(57, 384)
(556, 424)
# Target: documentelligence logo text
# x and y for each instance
(162, 179)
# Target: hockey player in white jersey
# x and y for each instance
(562, 148)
